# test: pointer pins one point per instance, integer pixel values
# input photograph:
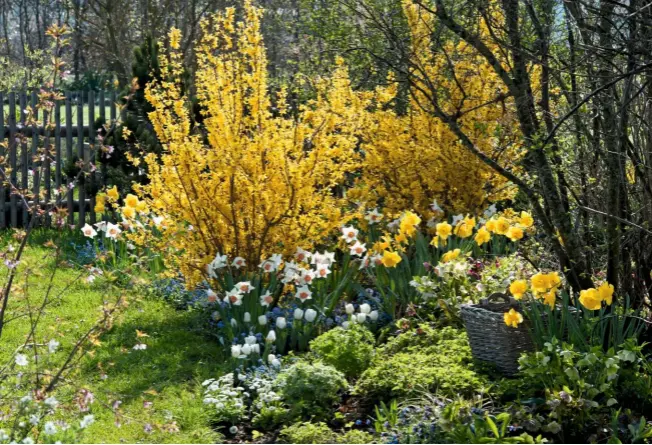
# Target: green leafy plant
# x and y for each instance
(348, 350)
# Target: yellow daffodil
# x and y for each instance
(514, 233)
(491, 225)
(450, 255)
(502, 225)
(590, 299)
(526, 220)
(513, 318)
(550, 298)
(606, 292)
(113, 193)
(444, 230)
(482, 236)
(131, 201)
(128, 212)
(390, 259)
(518, 288)
(464, 228)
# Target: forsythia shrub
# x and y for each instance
(413, 158)
(253, 178)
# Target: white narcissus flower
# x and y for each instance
(307, 276)
(303, 293)
(349, 309)
(244, 287)
(323, 258)
(358, 249)
(211, 296)
(310, 315)
(349, 234)
(322, 270)
(218, 262)
(373, 216)
(365, 308)
(271, 336)
(112, 231)
(266, 299)
(262, 320)
(100, 226)
(373, 315)
(435, 207)
(298, 314)
(234, 297)
(456, 219)
(302, 256)
(235, 351)
(281, 323)
(238, 262)
(89, 231)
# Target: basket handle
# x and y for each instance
(497, 296)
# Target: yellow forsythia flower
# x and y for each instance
(513, 318)
(390, 259)
(128, 212)
(482, 236)
(450, 255)
(518, 288)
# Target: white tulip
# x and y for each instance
(365, 308)
(262, 320)
(349, 308)
(251, 340)
(311, 314)
(247, 317)
(276, 363)
(255, 348)
(281, 323)
(373, 315)
(298, 314)
(246, 349)
(234, 323)
(271, 336)
(361, 317)
(235, 351)
(345, 325)
(271, 358)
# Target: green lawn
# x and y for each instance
(168, 373)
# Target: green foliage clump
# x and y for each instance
(350, 351)
(310, 389)
(421, 359)
(307, 432)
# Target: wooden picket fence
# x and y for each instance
(71, 134)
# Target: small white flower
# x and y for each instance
(49, 428)
(311, 314)
(361, 317)
(247, 317)
(271, 336)
(268, 265)
(435, 207)
(345, 325)
(89, 231)
(51, 402)
(322, 270)
(21, 360)
(373, 216)
(235, 351)
(52, 346)
(307, 276)
(298, 314)
(276, 363)
(234, 322)
(281, 323)
(86, 421)
(358, 249)
(365, 308)
(140, 347)
(255, 348)
(327, 258)
(456, 219)
(349, 234)
(303, 293)
(238, 262)
(271, 358)
(349, 309)
(262, 320)
(373, 315)
(246, 349)
(234, 297)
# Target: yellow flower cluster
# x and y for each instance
(592, 298)
(543, 285)
(408, 226)
(253, 179)
(413, 157)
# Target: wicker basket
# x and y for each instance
(490, 338)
